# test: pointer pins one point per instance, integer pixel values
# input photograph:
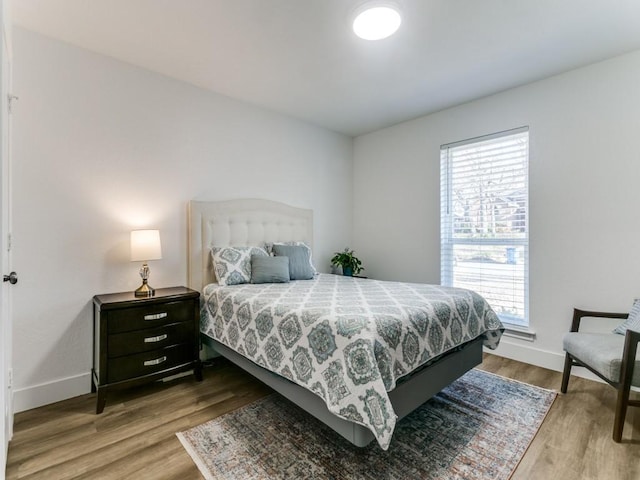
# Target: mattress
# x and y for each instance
(346, 339)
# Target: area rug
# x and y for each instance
(479, 427)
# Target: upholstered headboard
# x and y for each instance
(248, 222)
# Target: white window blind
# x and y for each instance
(484, 220)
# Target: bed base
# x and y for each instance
(405, 398)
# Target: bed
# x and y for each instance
(358, 354)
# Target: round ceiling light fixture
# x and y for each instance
(376, 20)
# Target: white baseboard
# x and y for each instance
(527, 353)
(65, 388)
(540, 358)
(207, 353)
(62, 389)
(51, 392)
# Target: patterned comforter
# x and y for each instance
(346, 339)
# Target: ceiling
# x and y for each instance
(300, 58)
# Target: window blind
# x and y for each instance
(484, 220)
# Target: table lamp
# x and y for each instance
(145, 246)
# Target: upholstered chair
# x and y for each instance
(611, 356)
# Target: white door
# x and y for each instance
(5, 261)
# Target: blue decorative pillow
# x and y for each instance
(299, 260)
(269, 248)
(631, 323)
(269, 269)
(232, 265)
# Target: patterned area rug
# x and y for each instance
(477, 428)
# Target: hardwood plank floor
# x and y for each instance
(575, 441)
(135, 436)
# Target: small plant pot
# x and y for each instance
(347, 271)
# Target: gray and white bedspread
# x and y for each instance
(346, 339)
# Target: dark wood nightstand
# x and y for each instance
(138, 340)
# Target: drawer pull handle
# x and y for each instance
(157, 361)
(155, 316)
(159, 338)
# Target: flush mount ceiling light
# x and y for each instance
(376, 20)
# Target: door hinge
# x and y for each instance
(10, 378)
(9, 240)
(10, 98)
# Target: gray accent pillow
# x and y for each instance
(299, 260)
(269, 269)
(269, 248)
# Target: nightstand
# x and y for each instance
(138, 340)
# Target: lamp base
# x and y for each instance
(145, 290)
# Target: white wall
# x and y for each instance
(584, 194)
(102, 147)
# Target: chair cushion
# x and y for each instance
(602, 352)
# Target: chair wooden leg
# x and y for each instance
(568, 362)
(621, 412)
(632, 339)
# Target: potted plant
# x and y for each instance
(351, 265)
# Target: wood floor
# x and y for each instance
(135, 436)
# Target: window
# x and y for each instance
(484, 220)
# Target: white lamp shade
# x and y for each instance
(145, 245)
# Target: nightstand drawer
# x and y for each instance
(139, 341)
(130, 366)
(148, 316)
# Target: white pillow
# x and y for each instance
(269, 248)
(232, 265)
(631, 323)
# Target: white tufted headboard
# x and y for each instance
(249, 222)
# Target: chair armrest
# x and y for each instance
(631, 337)
(579, 314)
